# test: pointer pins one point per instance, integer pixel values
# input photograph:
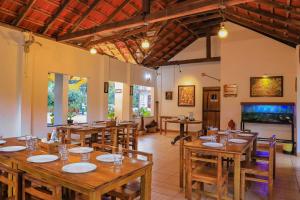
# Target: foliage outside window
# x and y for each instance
(142, 101)
(111, 100)
(77, 99)
(51, 96)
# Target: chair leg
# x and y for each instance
(243, 185)
(270, 189)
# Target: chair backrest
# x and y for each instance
(204, 158)
(138, 154)
(104, 148)
(11, 178)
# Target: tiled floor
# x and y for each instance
(165, 180)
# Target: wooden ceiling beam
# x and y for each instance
(84, 15)
(200, 19)
(249, 24)
(176, 11)
(275, 4)
(132, 54)
(116, 11)
(23, 14)
(269, 15)
(60, 9)
(192, 61)
(121, 52)
(280, 29)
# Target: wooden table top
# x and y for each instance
(183, 121)
(104, 175)
(230, 147)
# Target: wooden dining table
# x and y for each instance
(230, 150)
(93, 184)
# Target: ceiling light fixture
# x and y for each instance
(93, 51)
(223, 32)
(145, 44)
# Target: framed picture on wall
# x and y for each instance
(169, 95)
(186, 95)
(266, 86)
(230, 90)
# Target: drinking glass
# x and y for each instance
(85, 157)
(63, 152)
(213, 138)
(118, 158)
(28, 141)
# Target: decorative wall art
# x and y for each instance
(186, 95)
(169, 95)
(230, 90)
(266, 86)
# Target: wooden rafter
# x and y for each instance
(85, 15)
(176, 11)
(55, 15)
(192, 61)
(251, 24)
(116, 11)
(200, 19)
(131, 53)
(276, 4)
(23, 14)
(121, 52)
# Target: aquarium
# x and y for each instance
(268, 113)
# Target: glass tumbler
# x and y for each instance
(85, 157)
(63, 152)
(118, 159)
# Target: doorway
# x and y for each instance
(211, 107)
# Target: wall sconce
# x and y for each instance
(148, 77)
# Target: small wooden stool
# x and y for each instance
(33, 187)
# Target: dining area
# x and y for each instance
(56, 169)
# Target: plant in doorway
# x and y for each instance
(70, 117)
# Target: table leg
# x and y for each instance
(181, 163)
(237, 176)
(165, 128)
(160, 125)
(146, 180)
(69, 135)
(94, 196)
(254, 147)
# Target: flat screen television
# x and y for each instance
(268, 113)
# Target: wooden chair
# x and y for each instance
(128, 138)
(10, 183)
(259, 171)
(104, 148)
(131, 190)
(35, 188)
(265, 155)
(203, 168)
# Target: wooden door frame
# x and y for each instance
(214, 88)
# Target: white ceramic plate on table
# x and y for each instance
(12, 148)
(212, 144)
(79, 168)
(23, 138)
(81, 150)
(206, 137)
(2, 141)
(223, 132)
(108, 157)
(235, 131)
(42, 158)
(238, 141)
(245, 135)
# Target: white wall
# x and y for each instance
(170, 77)
(246, 54)
(24, 79)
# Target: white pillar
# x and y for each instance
(60, 99)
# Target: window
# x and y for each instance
(115, 100)
(77, 99)
(143, 100)
(51, 96)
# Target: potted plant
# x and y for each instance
(70, 117)
(52, 118)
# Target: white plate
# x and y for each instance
(79, 168)
(235, 131)
(206, 137)
(245, 135)
(223, 132)
(2, 141)
(81, 150)
(107, 157)
(42, 158)
(238, 141)
(212, 144)
(23, 138)
(12, 148)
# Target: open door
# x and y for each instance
(211, 107)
